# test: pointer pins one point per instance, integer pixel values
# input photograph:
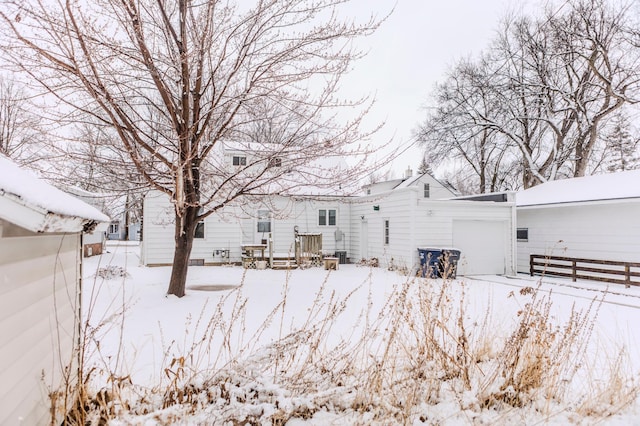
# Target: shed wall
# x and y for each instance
(39, 278)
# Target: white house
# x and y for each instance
(592, 217)
(40, 275)
(390, 224)
(219, 239)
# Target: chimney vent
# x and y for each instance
(408, 173)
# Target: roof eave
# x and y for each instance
(578, 202)
(38, 220)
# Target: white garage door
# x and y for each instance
(483, 246)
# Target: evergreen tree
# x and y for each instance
(425, 167)
(621, 145)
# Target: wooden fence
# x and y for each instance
(610, 271)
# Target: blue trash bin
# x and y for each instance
(449, 263)
(429, 262)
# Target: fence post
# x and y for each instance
(627, 274)
(573, 271)
(531, 264)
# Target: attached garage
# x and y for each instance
(483, 246)
(394, 225)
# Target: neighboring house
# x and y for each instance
(390, 224)
(92, 242)
(220, 237)
(430, 186)
(41, 230)
(117, 228)
(592, 217)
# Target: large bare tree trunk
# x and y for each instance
(184, 234)
(184, 244)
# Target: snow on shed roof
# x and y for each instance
(55, 210)
(610, 186)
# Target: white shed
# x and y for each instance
(592, 217)
(40, 256)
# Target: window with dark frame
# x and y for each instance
(386, 232)
(426, 190)
(327, 217)
(522, 234)
(275, 162)
(239, 160)
(199, 232)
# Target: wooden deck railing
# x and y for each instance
(610, 271)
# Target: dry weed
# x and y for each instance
(420, 348)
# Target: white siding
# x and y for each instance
(232, 226)
(605, 230)
(414, 222)
(221, 232)
(417, 222)
(38, 311)
(158, 244)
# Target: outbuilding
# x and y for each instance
(41, 231)
(591, 217)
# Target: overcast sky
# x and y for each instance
(412, 51)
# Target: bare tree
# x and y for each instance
(460, 127)
(20, 137)
(177, 79)
(536, 101)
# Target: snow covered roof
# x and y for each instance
(33, 204)
(611, 186)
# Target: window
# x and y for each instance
(239, 161)
(275, 162)
(264, 221)
(426, 190)
(113, 228)
(199, 232)
(522, 234)
(332, 218)
(327, 217)
(386, 232)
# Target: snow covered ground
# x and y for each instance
(160, 339)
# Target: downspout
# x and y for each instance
(413, 246)
(79, 292)
(512, 238)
